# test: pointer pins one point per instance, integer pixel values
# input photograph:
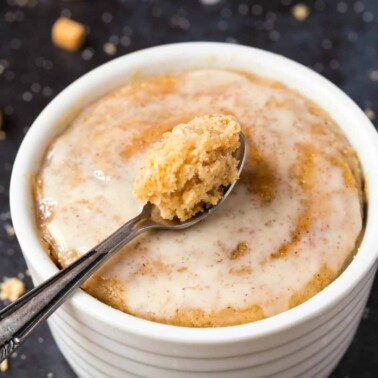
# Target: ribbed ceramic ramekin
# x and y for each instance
(306, 341)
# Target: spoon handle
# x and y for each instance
(20, 318)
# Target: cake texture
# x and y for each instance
(186, 171)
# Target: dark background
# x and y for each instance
(339, 39)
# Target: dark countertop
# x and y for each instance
(339, 39)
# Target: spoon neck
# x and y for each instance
(20, 318)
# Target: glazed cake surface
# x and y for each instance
(289, 228)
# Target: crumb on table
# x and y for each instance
(4, 366)
(68, 34)
(300, 12)
(370, 113)
(373, 75)
(184, 172)
(9, 229)
(11, 289)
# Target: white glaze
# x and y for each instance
(106, 180)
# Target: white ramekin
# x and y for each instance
(306, 341)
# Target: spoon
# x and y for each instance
(20, 318)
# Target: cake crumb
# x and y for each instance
(9, 229)
(109, 48)
(370, 113)
(300, 12)
(185, 172)
(68, 34)
(374, 75)
(4, 366)
(11, 289)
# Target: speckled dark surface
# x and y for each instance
(339, 39)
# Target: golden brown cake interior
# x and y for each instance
(185, 172)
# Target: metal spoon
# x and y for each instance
(20, 318)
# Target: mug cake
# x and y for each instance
(289, 228)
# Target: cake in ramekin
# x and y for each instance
(290, 227)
